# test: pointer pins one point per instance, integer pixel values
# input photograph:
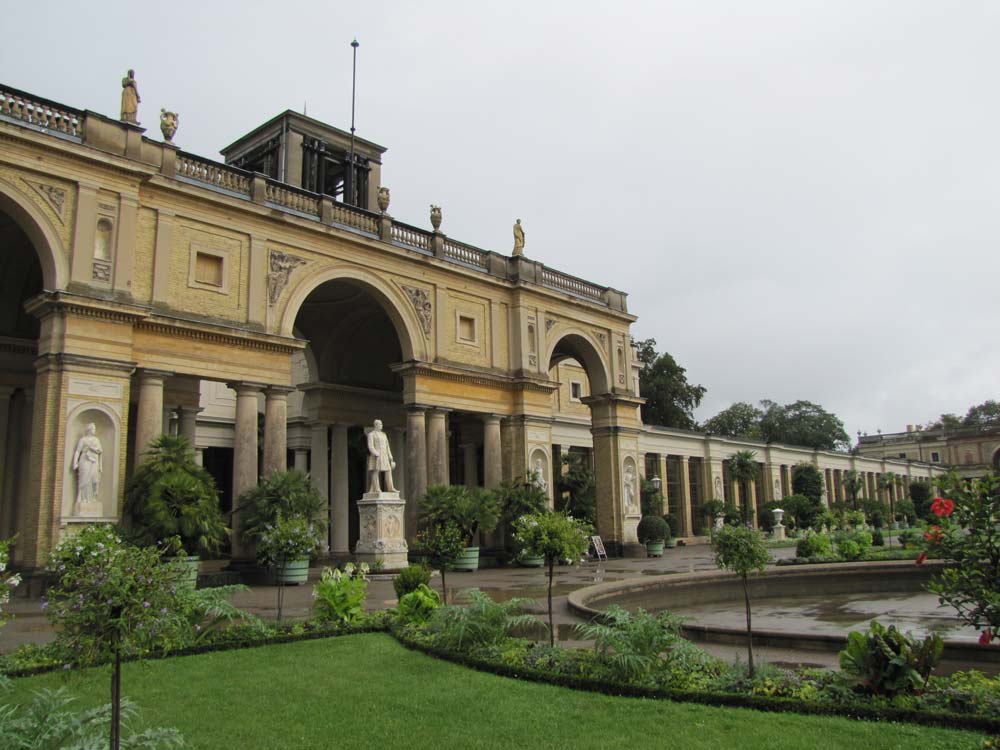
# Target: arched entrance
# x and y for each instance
(356, 336)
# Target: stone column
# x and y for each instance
(470, 464)
(828, 481)
(416, 466)
(661, 467)
(149, 415)
(397, 444)
(275, 429)
(320, 469)
(301, 460)
(437, 447)
(188, 424)
(244, 454)
(492, 452)
(685, 501)
(339, 500)
(168, 416)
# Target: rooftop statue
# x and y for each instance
(130, 98)
(518, 238)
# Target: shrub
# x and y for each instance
(631, 645)
(285, 539)
(7, 583)
(853, 545)
(340, 596)
(410, 579)
(808, 481)
(802, 511)
(481, 622)
(887, 662)
(652, 529)
(287, 493)
(878, 538)
(673, 523)
(416, 606)
(814, 545)
(471, 510)
(909, 538)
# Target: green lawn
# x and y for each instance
(367, 691)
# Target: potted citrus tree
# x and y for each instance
(285, 518)
(172, 502)
(471, 510)
(517, 499)
(653, 532)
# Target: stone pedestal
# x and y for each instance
(381, 521)
(778, 532)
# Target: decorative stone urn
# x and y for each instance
(383, 199)
(381, 539)
(436, 217)
(168, 125)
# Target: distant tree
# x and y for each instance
(739, 420)
(986, 414)
(670, 399)
(946, 421)
(578, 481)
(802, 423)
(808, 481)
(920, 494)
(743, 467)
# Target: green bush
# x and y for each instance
(652, 529)
(887, 662)
(481, 622)
(415, 607)
(340, 596)
(288, 493)
(631, 645)
(673, 523)
(814, 545)
(853, 545)
(470, 510)
(910, 538)
(410, 579)
(878, 538)
(802, 511)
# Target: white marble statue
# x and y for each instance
(88, 465)
(629, 487)
(380, 459)
(539, 473)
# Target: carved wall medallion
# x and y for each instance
(549, 322)
(532, 360)
(602, 338)
(53, 196)
(280, 267)
(421, 301)
(102, 271)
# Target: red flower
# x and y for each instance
(985, 637)
(921, 558)
(934, 535)
(941, 507)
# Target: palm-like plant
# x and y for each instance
(853, 483)
(481, 622)
(743, 468)
(170, 496)
(631, 645)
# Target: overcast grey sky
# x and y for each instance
(800, 198)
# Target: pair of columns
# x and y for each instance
(150, 425)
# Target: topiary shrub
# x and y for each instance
(853, 545)
(652, 529)
(878, 538)
(674, 523)
(410, 579)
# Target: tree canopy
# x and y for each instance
(799, 423)
(670, 399)
(986, 414)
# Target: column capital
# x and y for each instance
(244, 388)
(278, 391)
(144, 373)
(491, 418)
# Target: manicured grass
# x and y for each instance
(367, 691)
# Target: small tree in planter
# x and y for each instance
(742, 551)
(653, 532)
(743, 468)
(171, 498)
(471, 510)
(289, 540)
(519, 498)
(442, 543)
(553, 536)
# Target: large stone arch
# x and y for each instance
(586, 350)
(395, 304)
(43, 235)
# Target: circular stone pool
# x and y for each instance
(801, 607)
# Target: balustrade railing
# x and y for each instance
(407, 235)
(40, 112)
(465, 253)
(355, 217)
(573, 285)
(213, 173)
(289, 197)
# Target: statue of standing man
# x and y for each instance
(379, 459)
(130, 98)
(518, 238)
(88, 466)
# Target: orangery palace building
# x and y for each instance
(269, 306)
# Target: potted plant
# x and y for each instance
(172, 502)
(518, 499)
(674, 525)
(652, 532)
(471, 510)
(285, 512)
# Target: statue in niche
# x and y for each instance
(380, 459)
(629, 487)
(718, 488)
(88, 465)
(130, 98)
(518, 238)
(539, 476)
